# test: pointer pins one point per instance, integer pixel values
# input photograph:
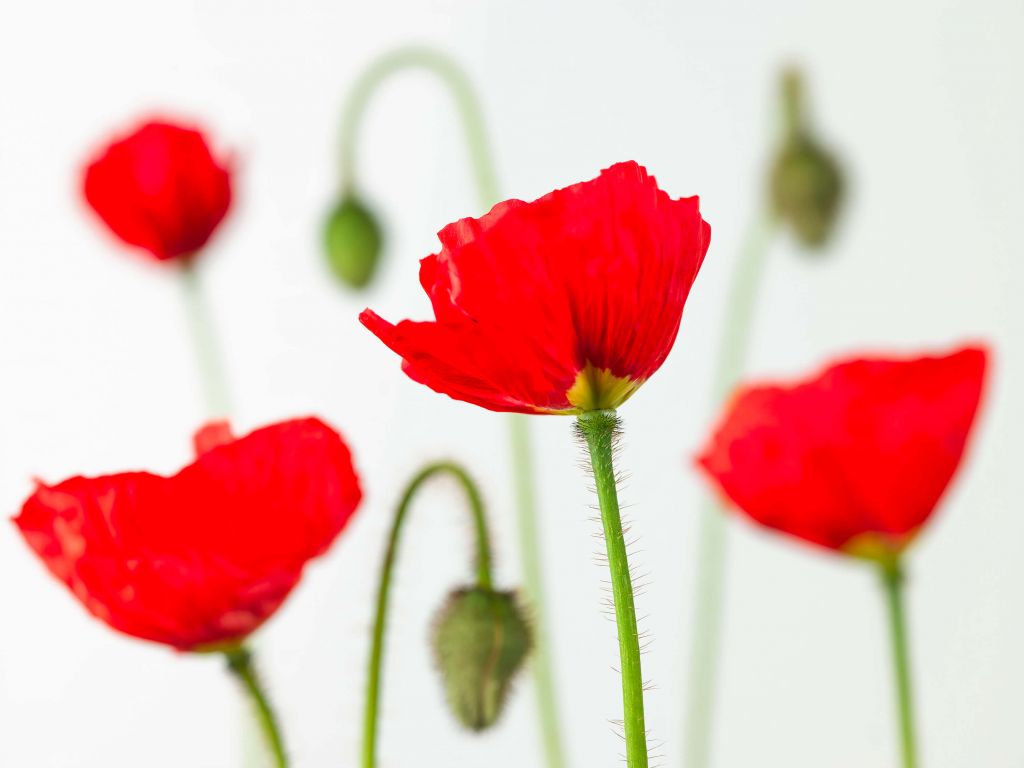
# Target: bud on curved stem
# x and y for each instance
(241, 666)
(600, 429)
(454, 78)
(806, 183)
(480, 641)
(804, 194)
(484, 586)
(353, 242)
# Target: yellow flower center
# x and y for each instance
(878, 547)
(598, 389)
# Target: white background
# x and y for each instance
(923, 99)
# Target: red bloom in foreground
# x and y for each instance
(855, 459)
(562, 305)
(203, 557)
(159, 188)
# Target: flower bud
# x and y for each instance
(806, 184)
(352, 240)
(481, 640)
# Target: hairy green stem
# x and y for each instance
(892, 582)
(204, 342)
(711, 537)
(470, 112)
(240, 664)
(483, 578)
(600, 430)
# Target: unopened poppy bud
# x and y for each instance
(481, 640)
(352, 239)
(806, 184)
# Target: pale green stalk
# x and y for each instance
(711, 539)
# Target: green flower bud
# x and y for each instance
(481, 640)
(806, 183)
(352, 240)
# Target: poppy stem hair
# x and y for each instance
(892, 583)
(240, 664)
(452, 75)
(600, 430)
(483, 581)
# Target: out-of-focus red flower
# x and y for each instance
(855, 458)
(159, 188)
(562, 305)
(201, 558)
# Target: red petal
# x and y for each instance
(210, 435)
(205, 556)
(159, 188)
(866, 448)
(528, 295)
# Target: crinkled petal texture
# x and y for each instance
(202, 558)
(159, 188)
(565, 304)
(855, 459)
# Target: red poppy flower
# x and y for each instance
(159, 188)
(201, 558)
(562, 305)
(855, 458)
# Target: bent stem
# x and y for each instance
(600, 430)
(711, 548)
(448, 71)
(240, 664)
(892, 582)
(483, 579)
(204, 342)
(452, 75)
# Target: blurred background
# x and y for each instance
(921, 100)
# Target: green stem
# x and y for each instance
(483, 577)
(529, 552)
(600, 430)
(792, 104)
(711, 552)
(892, 582)
(448, 71)
(204, 341)
(452, 75)
(241, 666)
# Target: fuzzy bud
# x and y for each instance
(806, 183)
(352, 240)
(481, 640)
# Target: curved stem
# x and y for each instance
(711, 551)
(241, 666)
(483, 578)
(485, 178)
(600, 429)
(892, 582)
(204, 341)
(452, 75)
